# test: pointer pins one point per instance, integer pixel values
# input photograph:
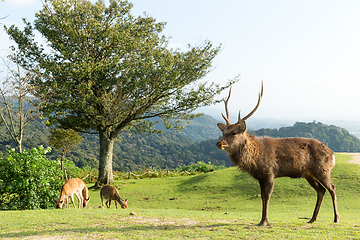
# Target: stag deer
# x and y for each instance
(109, 193)
(267, 158)
(73, 186)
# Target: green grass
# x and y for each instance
(223, 204)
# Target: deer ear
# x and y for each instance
(221, 126)
(241, 126)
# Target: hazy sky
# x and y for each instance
(307, 52)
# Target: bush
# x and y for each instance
(71, 169)
(28, 180)
(200, 167)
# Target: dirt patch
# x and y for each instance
(160, 221)
(355, 157)
(211, 208)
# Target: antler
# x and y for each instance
(227, 118)
(256, 107)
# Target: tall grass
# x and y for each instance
(223, 204)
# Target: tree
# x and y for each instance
(64, 140)
(17, 103)
(109, 71)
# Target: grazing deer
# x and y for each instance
(266, 158)
(109, 193)
(73, 186)
(85, 194)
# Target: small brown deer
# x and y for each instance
(266, 158)
(109, 193)
(73, 186)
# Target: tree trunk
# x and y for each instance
(62, 166)
(62, 161)
(105, 163)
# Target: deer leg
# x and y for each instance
(331, 188)
(116, 204)
(320, 190)
(102, 202)
(267, 187)
(80, 199)
(67, 200)
(72, 200)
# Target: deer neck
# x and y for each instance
(62, 194)
(246, 153)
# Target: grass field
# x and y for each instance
(223, 204)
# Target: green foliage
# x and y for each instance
(200, 167)
(28, 180)
(336, 138)
(71, 169)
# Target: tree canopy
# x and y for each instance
(104, 70)
(64, 140)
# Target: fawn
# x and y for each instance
(73, 186)
(109, 193)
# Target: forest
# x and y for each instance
(169, 149)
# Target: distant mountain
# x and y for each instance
(336, 138)
(202, 128)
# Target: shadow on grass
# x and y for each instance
(124, 229)
(233, 181)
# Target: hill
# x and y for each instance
(132, 152)
(171, 149)
(336, 138)
(198, 129)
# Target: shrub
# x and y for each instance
(200, 167)
(71, 169)
(28, 180)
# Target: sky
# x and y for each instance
(307, 53)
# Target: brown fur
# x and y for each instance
(109, 193)
(267, 158)
(73, 186)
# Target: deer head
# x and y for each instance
(235, 133)
(85, 202)
(58, 204)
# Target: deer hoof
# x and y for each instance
(311, 221)
(262, 224)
